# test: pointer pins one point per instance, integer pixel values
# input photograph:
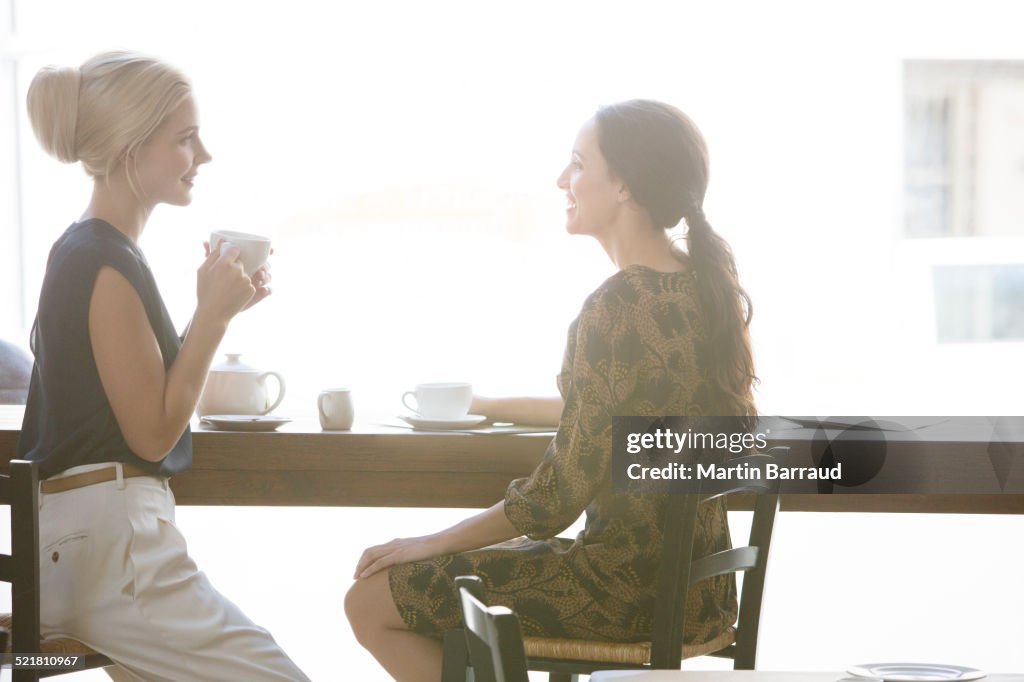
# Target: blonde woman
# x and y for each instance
(113, 386)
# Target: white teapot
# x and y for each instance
(233, 387)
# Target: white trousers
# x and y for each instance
(116, 575)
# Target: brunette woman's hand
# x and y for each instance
(483, 407)
(222, 287)
(398, 551)
(486, 528)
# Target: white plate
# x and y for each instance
(244, 422)
(442, 424)
(915, 672)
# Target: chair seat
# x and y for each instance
(57, 645)
(634, 653)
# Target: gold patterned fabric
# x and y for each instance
(635, 349)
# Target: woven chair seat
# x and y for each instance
(57, 645)
(634, 653)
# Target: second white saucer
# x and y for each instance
(434, 424)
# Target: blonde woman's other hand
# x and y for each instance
(261, 281)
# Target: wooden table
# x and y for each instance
(380, 466)
(746, 676)
(371, 466)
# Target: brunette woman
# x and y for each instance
(666, 335)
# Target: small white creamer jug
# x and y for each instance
(233, 387)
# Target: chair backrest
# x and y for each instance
(678, 571)
(493, 637)
(19, 489)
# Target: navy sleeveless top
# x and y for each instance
(68, 419)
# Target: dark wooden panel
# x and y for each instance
(303, 466)
(319, 488)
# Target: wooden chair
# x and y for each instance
(565, 659)
(20, 490)
(493, 638)
(3, 646)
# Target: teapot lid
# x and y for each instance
(233, 364)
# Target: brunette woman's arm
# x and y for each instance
(533, 411)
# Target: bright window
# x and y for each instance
(964, 165)
(964, 147)
(979, 302)
(403, 156)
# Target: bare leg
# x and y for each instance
(407, 656)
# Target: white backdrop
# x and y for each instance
(403, 157)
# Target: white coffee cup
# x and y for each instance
(440, 401)
(336, 409)
(253, 250)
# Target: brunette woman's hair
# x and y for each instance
(660, 155)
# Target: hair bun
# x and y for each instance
(53, 110)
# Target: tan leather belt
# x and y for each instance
(59, 485)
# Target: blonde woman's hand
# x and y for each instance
(222, 287)
(260, 280)
(398, 551)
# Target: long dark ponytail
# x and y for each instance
(658, 152)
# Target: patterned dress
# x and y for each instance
(635, 349)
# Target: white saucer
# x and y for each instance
(434, 424)
(915, 672)
(245, 422)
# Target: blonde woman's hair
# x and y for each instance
(101, 112)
